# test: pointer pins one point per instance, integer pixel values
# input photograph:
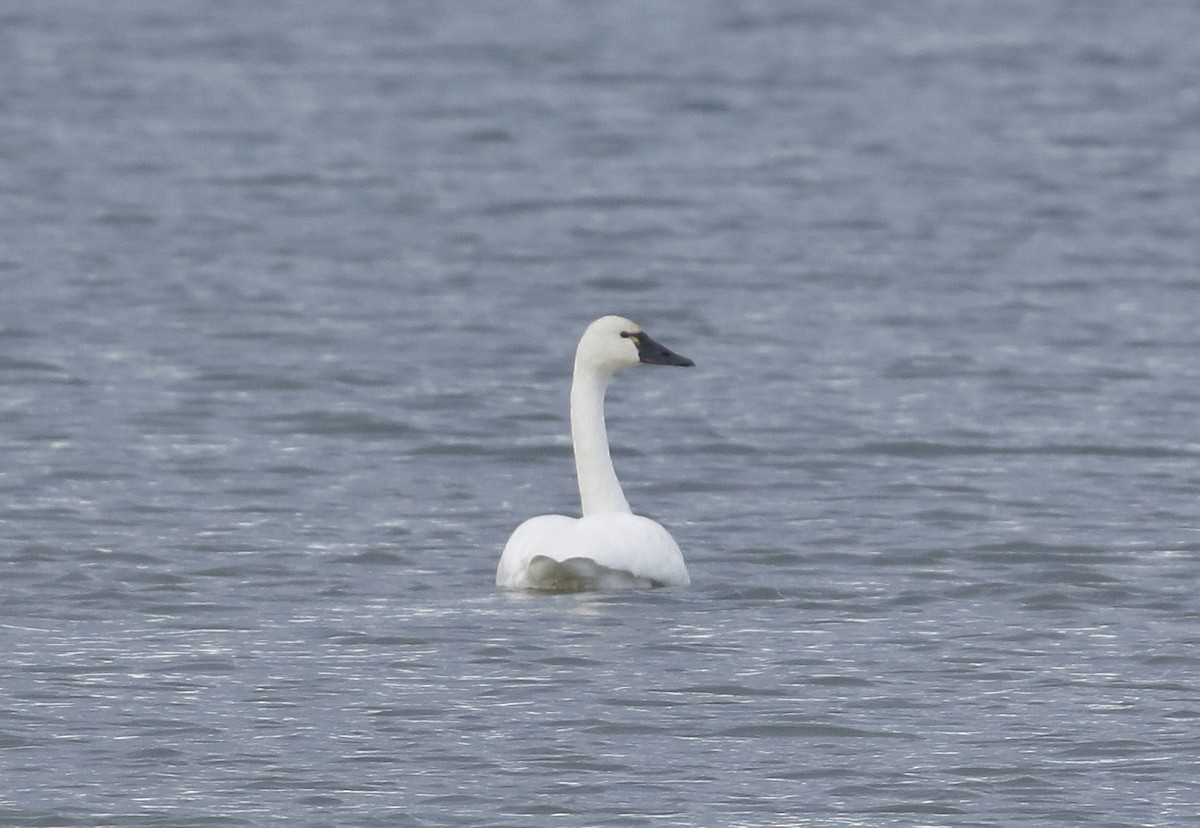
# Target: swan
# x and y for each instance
(609, 547)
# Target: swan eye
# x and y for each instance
(636, 337)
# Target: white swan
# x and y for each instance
(609, 546)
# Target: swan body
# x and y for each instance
(609, 547)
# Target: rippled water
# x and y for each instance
(290, 292)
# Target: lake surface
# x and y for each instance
(289, 293)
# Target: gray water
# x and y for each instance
(288, 298)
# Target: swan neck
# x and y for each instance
(599, 489)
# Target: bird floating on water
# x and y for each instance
(609, 547)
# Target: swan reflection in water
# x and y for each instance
(609, 547)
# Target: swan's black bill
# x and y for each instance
(652, 353)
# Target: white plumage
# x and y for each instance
(609, 547)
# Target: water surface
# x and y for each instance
(290, 293)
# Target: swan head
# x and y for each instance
(614, 342)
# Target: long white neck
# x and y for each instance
(599, 489)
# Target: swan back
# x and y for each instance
(599, 551)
